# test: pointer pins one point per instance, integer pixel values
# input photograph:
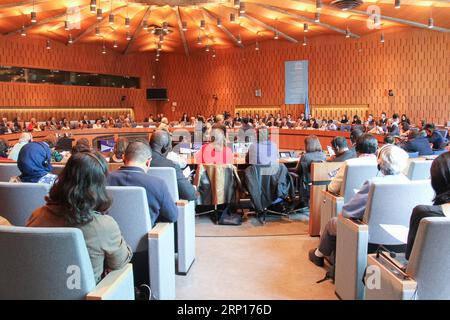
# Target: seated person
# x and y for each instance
(341, 150)
(82, 145)
(23, 140)
(78, 200)
(356, 120)
(331, 125)
(4, 150)
(440, 181)
(314, 153)
(366, 147)
(265, 152)
(164, 124)
(161, 144)
(417, 143)
(137, 159)
(116, 156)
(389, 139)
(354, 135)
(216, 152)
(34, 164)
(51, 142)
(434, 137)
(392, 160)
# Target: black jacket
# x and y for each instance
(267, 184)
(418, 144)
(186, 190)
(349, 154)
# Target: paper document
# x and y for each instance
(399, 232)
(330, 151)
(355, 191)
(187, 171)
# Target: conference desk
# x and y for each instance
(289, 139)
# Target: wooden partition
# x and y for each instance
(335, 112)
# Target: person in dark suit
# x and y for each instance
(440, 181)
(160, 142)
(341, 150)
(434, 137)
(417, 143)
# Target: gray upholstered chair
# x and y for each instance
(53, 263)
(185, 222)
(8, 170)
(354, 177)
(130, 210)
(19, 200)
(389, 206)
(425, 276)
(419, 169)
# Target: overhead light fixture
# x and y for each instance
(127, 22)
(111, 18)
(397, 4)
(319, 5)
(161, 38)
(242, 7)
(430, 23)
(104, 49)
(97, 31)
(202, 24)
(48, 45)
(382, 37)
(276, 35)
(237, 3)
(157, 54)
(128, 36)
(157, 59)
(22, 32)
(93, 9)
(232, 18)
(66, 25)
(145, 25)
(115, 44)
(70, 41)
(305, 42)
(159, 47)
(199, 40)
(214, 54)
(347, 33)
(239, 39)
(184, 26)
(33, 17)
(219, 22)
(317, 17)
(207, 48)
(305, 27)
(99, 14)
(165, 26)
(257, 46)
(93, 6)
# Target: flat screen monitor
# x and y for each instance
(106, 145)
(157, 94)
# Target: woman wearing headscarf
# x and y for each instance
(34, 164)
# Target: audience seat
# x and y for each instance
(130, 210)
(389, 204)
(8, 170)
(53, 263)
(425, 277)
(418, 169)
(412, 155)
(186, 220)
(19, 200)
(354, 177)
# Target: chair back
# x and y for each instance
(44, 263)
(169, 176)
(430, 259)
(354, 177)
(19, 200)
(413, 154)
(8, 170)
(419, 169)
(439, 152)
(390, 205)
(130, 210)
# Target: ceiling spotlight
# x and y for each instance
(207, 48)
(70, 41)
(93, 9)
(22, 32)
(184, 26)
(104, 50)
(347, 33)
(397, 4)
(128, 36)
(305, 27)
(430, 23)
(257, 46)
(199, 40)
(94, 4)
(317, 17)
(127, 22)
(237, 3)
(382, 37)
(214, 54)
(97, 31)
(242, 7)
(99, 14)
(157, 59)
(305, 42)
(161, 38)
(202, 24)
(219, 22)
(115, 44)
(276, 35)
(48, 45)
(165, 26)
(157, 54)
(33, 17)
(239, 39)
(159, 47)
(232, 18)
(145, 25)
(66, 25)
(111, 18)
(318, 5)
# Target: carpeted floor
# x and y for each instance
(255, 265)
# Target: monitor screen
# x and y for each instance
(285, 154)
(157, 94)
(106, 145)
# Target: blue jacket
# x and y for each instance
(437, 140)
(418, 144)
(160, 204)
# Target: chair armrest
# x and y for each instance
(330, 207)
(117, 285)
(185, 235)
(351, 258)
(161, 255)
(385, 281)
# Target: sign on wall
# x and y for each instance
(296, 82)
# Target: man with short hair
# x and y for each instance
(137, 159)
(341, 150)
(366, 147)
(161, 145)
(23, 140)
(434, 137)
(417, 143)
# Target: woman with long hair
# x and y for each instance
(79, 199)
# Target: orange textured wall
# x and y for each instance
(27, 52)
(414, 63)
